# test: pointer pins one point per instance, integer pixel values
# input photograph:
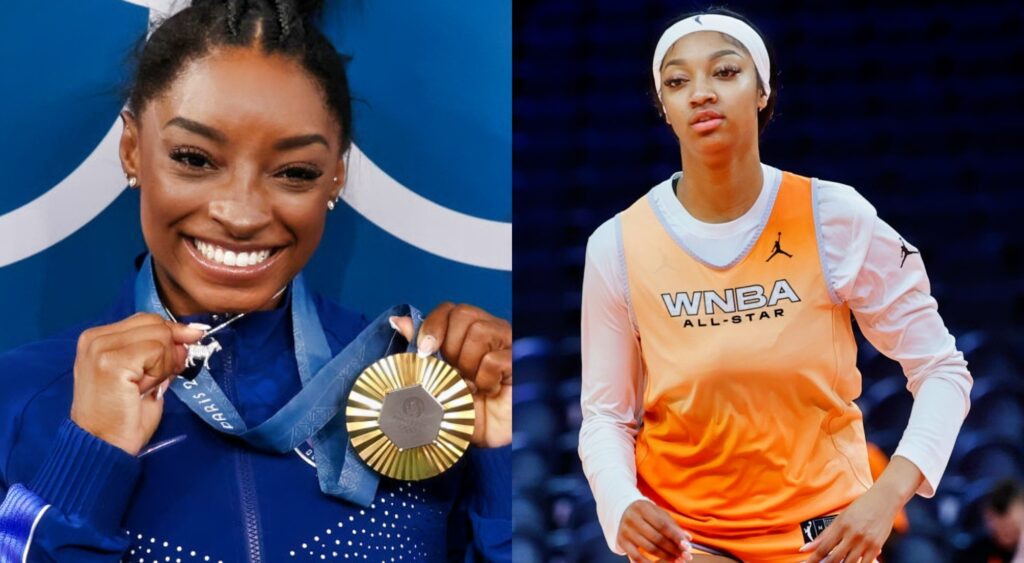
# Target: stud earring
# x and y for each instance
(132, 181)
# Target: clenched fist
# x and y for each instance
(116, 367)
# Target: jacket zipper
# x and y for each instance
(250, 512)
(245, 479)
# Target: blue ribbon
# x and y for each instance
(311, 414)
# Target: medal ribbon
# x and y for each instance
(313, 412)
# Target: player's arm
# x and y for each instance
(611, 401)
(881, 277)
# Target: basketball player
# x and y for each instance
(718, 356)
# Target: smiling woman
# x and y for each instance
(236, 134)
(228, 164)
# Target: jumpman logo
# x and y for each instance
(778, 249)
(906, 252)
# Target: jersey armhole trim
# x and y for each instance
(825, 272)
(641, 384)
(620, 251)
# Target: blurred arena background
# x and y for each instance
(920, 106)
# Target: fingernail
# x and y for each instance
(472, 387)
(804, 548)
(162, 389)
(391, 321)
(200, 326)
(427, 346)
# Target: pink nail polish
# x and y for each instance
(427, 346)
(162, 389)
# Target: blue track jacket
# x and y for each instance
(201, 496)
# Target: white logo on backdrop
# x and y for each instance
(410, 217)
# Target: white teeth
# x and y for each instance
(230, 257)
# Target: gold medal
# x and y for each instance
(410, 418)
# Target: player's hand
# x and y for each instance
(859, 532)
(647, 527)
(480, 346)
(116, 367)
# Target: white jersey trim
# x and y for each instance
(815, 190)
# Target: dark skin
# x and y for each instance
(242, 151)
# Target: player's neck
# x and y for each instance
(722, 189)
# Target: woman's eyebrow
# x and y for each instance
(722, 53)
(198, 129)
(297, 141)
(287, 143)
(715, 55)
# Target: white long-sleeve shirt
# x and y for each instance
(862, 256)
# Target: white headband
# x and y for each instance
(715, 22)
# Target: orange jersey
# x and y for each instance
(749, 426)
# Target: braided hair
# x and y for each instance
(284, 27)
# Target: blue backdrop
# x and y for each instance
(429, 195)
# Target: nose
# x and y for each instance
(241, 209)
(703, 93)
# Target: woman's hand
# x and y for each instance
(116, 366)
(480, 346)
(646, 526)
(860, 531)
